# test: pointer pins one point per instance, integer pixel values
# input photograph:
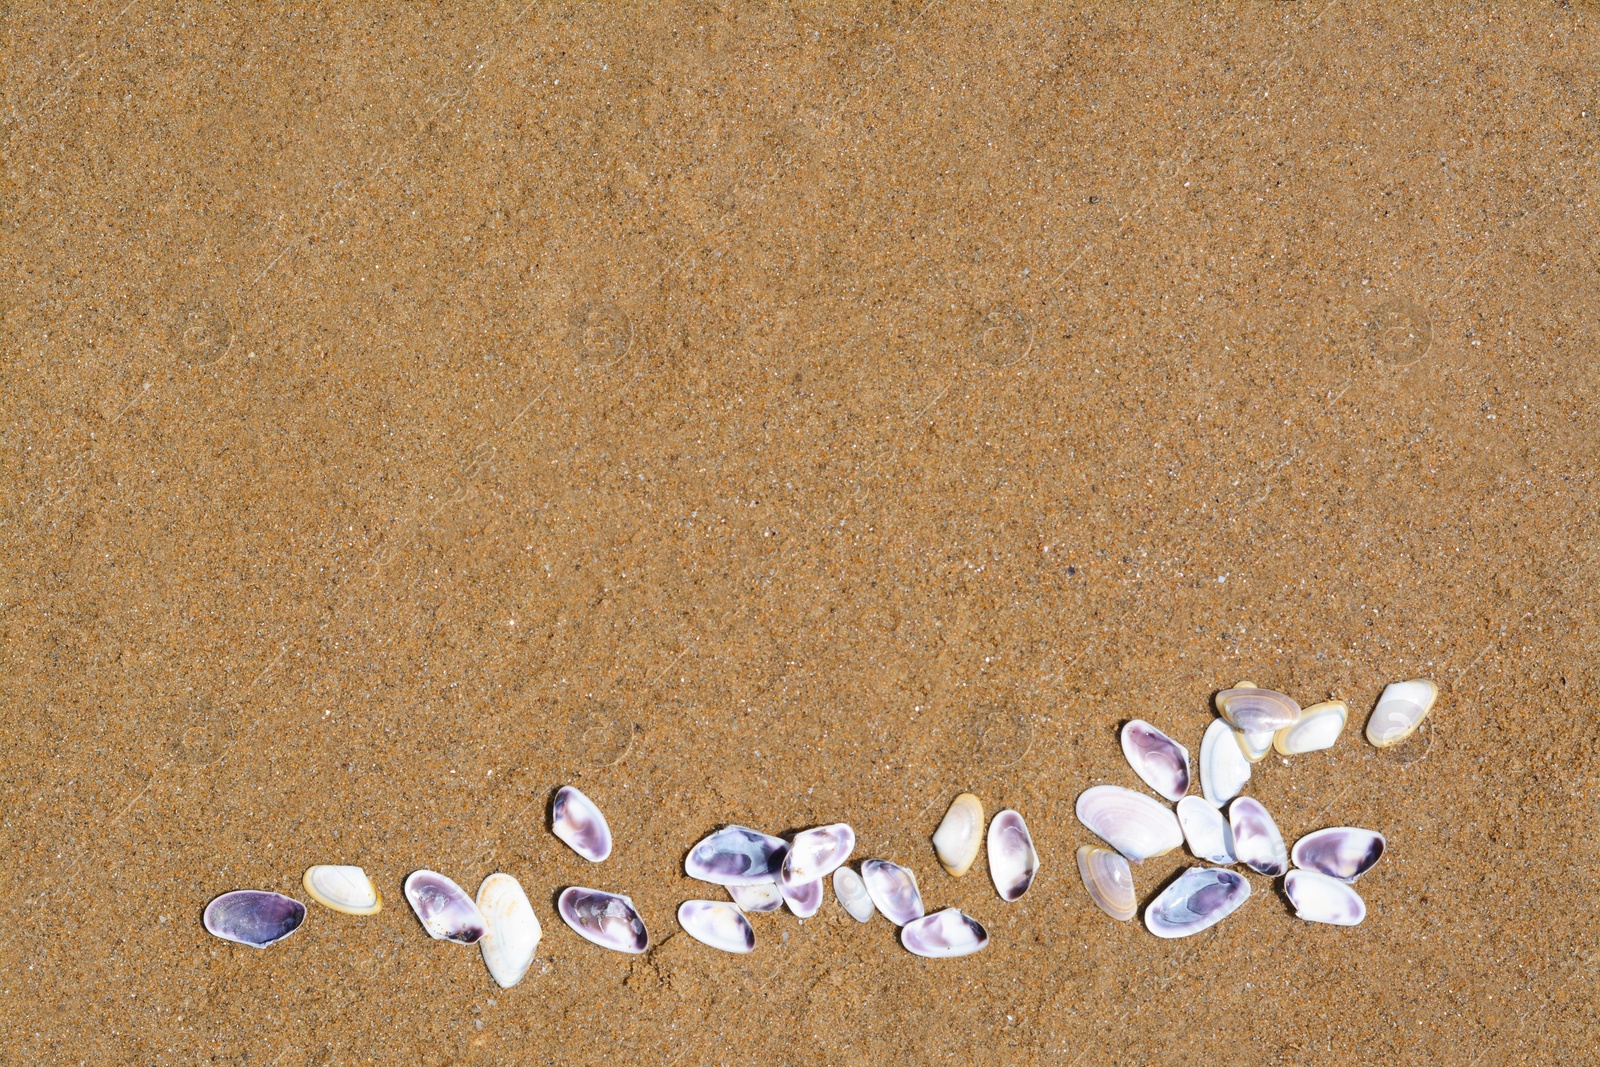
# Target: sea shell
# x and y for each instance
(1342, 852)
(959, 835)
(513, 930)
(1207, 831)
(803, 899)
(757, 899)
(577, 820)
(253, 917)
(1013, 861)
(737, 855)
(1223, 768)
(1256, 840)
(344, 889)
(1132, 823)
(1257, 710)
(852, 894)
(1320, 899)
(1109, 880)
(607, 919)
(1156, 758)
(443, 908)
(944, 934)
(893, 889)
(1200, 898)
(814, 854)
(1254, 746)
(718, 924)
(1400, 710)
(1319, 727)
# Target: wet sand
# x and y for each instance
(782, 417)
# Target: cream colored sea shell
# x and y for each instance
(342, 888)
(1109, 880)
(1257, 710)
(1223, 768)
(513, 929)
(1400, 710)
(851, 890)
(1319, 727)
(1254, 746)
(1134, 824)
(960, 834)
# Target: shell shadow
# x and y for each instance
(1280, 889)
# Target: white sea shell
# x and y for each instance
(1206, 830)
(606, 919)
(757, 899)
(737, 855)
(1400, 710)
(1013, 861)
(342, 888)
(1320, 899)
(443, 908)
(1132, 823)
(1109, 880)
(513, 930)
(1156, 758)
(1200, 898)
(803, 899)
(1319, 727)
(960, 834)
(1256, 840)
(1342, 852)
(1223, 768)
(718, 924)
(1254, 746)
(852, 893)
(944, 934)
(1257, 710)
(893, 889)
(816, 853)
(577, 820)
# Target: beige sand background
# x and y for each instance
(782, 415)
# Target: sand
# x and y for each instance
(783, 416)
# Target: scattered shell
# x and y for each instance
(1254, 746)
(893, 889)
(577, 820)
(1256, 840)
(253, 917)
(1320, 899)
(1223, 768)
(1200, 898)
(443, 908)
(803, 899)
(959, 835)
(1342, 852)
(816, 853)
(513, 930)
(607, 919)
(718, 924)
(737, 855)
(1400, 710)
(1156, 758)
(344, 889)
(1257, 710)
(944, 934)
(1319, 727)
(757, 899)
(1132, 823)
(1109, 880)
(1013, 861)
(852, 894)
(1207, 831)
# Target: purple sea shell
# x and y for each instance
(1200, 898)
(1157, 758)
(737, 855)
(944, 934)
(577, 820)
(817, 853)
(254, 917)
(444, 908)
(803, 900)
(606, 919)
(1342, 852)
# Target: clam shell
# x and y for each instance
(1342, 852)
(513, 931)
(803, 899)
(1257, 710)
(577, 820)
(959, 835)
(1109, 880)
(757, 899)
(1400, 710)
(944, 934)
(893, 889)
(814, 854)
(1200, 898)
(1207, 831)
(737, 855)
(1156, 758)
(1223, 768)
(342, 888)
(718, 924)
(443, 908)
(852, 894)
(253, 917)
(1256, 840)
(606, 919)
(1254, 746)
(1013, 861)
(1132, 823)
(1320, 899)
(1319, 727)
